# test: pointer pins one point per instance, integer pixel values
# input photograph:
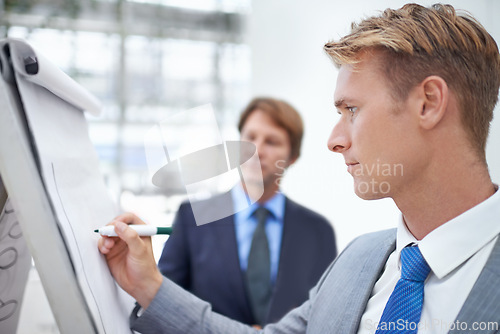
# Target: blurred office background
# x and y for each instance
(147, 59)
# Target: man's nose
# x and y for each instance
(259, 146)
(339, 140)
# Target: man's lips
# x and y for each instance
(351, 166)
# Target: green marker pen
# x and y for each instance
(142, 230)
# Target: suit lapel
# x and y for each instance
(224, 229)
(482, 306)
(373, 266)
(343, 295)
(235, 277)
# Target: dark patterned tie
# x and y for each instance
(258, 274)
(402, 311)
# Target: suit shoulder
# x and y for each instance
(184, 206)
(213, 209)
(373, 240)
(184, 216)
(203, 203)
(361, 256)
(377, 236)
(303, 213)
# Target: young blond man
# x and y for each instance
(417, 86)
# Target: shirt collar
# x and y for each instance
(275, 205)
(454, 242)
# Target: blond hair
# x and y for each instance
(416, 42)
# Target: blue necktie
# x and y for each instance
(402, 311)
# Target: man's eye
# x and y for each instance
(248, 138)
(352, 109)
(273, 142)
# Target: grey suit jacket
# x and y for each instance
(335, 304)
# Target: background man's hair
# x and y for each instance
(415, 42)
(283, 115)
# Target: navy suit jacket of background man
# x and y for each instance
(204, 260)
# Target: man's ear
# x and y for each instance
(435, 101)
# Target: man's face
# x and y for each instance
(378, 137)
(272, 143)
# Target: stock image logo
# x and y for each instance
(377, 174)
(195, 161)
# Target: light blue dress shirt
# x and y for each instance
(245, 224)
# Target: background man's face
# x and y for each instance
(272, 143)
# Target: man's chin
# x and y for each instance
(254, 189)
(369, 196)
(364, 192)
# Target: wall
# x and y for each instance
(286, 39)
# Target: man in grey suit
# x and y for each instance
(416, 91)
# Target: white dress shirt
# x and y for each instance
(456, 253)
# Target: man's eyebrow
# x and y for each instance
(339, 102)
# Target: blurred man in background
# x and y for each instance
(258, 264)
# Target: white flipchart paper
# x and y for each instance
(70, 172)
